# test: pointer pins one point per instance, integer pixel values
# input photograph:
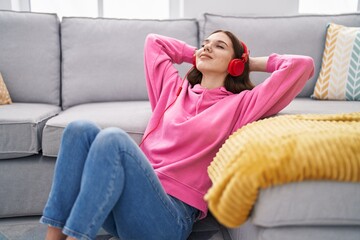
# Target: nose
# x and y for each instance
(207, 48)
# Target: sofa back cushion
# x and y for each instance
(103, 58)
(30, 56)
(301, 34)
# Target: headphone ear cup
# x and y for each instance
(236, 67)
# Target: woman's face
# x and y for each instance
(215, 54)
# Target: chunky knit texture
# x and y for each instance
(279, 150)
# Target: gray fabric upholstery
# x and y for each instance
(284, 35)
(29, 228)
(21, 126)
(103, 58)
(311, 233)
(30, 56)
(310, 106)
(307, 203)
(132, 117)
(25, 185)
(252, 232)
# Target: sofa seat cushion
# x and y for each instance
(311, 106)
(308, 203)
(21, 126)
(132, 117)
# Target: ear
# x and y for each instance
(194, 61)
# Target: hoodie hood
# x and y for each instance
(202, 98)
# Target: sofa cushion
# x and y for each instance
(132, 117)
(248, 231)
(307, 203)
(30, 56)
(301, 34)
(103, 58)
(307, 105)
(339, 78)
(4, 93)
(21, 126)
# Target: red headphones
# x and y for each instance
(237, 65)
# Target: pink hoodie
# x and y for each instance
(184, 140)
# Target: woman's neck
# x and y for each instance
(211, 82)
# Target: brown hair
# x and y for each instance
(232, 84)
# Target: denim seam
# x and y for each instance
(67, 230)
(109, 192)
(153, 184)
(51, 222)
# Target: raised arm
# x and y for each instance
(289, 74)
(160, 54)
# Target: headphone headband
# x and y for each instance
(245, 55)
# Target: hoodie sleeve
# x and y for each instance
(160, 54)
(289, 74)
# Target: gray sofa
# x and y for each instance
(84, 68)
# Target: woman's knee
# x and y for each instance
(79, 128)
(116, 139)
(113, 135)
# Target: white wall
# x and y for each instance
(328, 6)
(5, 4)
(195, 8)
(17, 5)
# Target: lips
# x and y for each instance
(204, 55)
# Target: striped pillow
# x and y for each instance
(339, 77)
(4, 93)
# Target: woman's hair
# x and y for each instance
(232, 84)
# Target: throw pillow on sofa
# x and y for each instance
(339, 77)
(4, 93)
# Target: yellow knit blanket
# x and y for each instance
(278, 150)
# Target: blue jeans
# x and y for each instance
(102, 179)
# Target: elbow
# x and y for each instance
(150, 38)
(309, 66)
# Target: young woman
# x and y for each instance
(155, 191)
